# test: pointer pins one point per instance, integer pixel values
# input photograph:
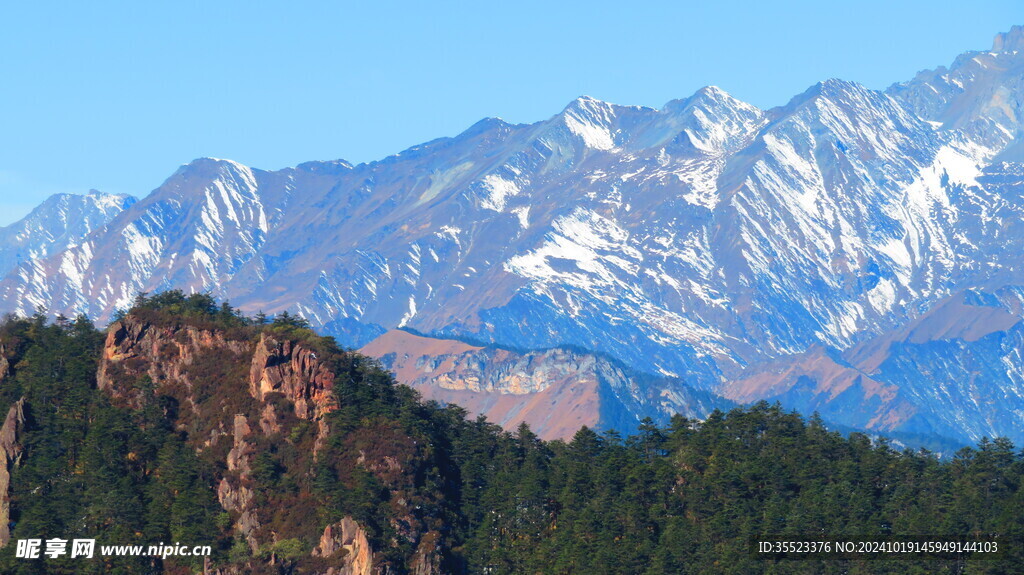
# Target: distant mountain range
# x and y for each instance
(855, 252)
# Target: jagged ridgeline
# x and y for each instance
(186, 422)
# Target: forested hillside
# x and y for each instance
(185, 421)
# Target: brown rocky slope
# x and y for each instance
(555, 391)
(244, 393)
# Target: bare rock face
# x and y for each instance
(295, 372)
(238, 457)
(5, 364)
(346, 541)
(232, 498)
(235, 395)
(161, 352)
(165, 353)
(427, 559)
(11, 451)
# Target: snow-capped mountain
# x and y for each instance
(704, 240)
(59, 223)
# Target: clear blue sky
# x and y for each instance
(116, 95)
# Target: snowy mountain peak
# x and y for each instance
(717, 95)
(109, 203)
(709, 121)
(202, 174)
(591, 120)
(833, 90)
(61, 221)
(586, 102)
(93, 202)
(709, 97)
(207, 163)
(839, 86)
(713, 92)
(326, 167)
(484, 125)
(590, 109)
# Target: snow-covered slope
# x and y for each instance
(700, 240)
(954, 371)
(59, 223)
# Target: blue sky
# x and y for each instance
(116, 95)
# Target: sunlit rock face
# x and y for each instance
(555, 391)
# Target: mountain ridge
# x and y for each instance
(697, 241)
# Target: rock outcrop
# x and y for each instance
(163, 353)
(293, 370)
(10, 451)
(5, 364)
(346, 541)
(296, 372)
(240, 396)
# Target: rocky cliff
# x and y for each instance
(10, 453)
(240, 396)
